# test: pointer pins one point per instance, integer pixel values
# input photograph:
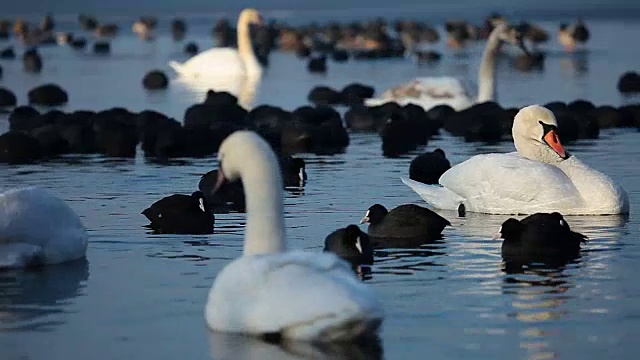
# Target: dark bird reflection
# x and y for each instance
(539, 294)
(31, 299)
(539, 291)
(405, 243)
(402, 261)
(237, 347)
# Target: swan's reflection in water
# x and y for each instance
(243, 87)
(30, 298)
(576, 64)
(237, 347)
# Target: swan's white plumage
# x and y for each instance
(226, 62)
(513, 184)
(216, 62)
(36, 226)
(428, 92)
(501, 183)
(304, 296)
(438, 196)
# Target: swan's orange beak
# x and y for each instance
(551, 138)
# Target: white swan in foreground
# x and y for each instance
(269, 291)
(429, 92)
(37, 228)
(226, 62)
(540, 177)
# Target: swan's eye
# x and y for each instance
(562, 223)
(201, 201)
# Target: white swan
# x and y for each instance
(38, 228)
(429, 92)
(244, 88)
(267, 291)
(226, 62)
(540, 177)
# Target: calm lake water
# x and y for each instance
(142, 296)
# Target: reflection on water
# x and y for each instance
(28, 297)
(540, 294)
(407, 261)
(237, 347)
(576, 63)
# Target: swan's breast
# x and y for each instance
(600, 193)
(274, 292)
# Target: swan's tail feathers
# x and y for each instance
(177, 67)
(19, 255)
(438, 196)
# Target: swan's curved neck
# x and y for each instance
(245, 48)
(248, 92)
(265, 230)
(487, 73)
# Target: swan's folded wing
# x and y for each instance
(442, 85)
(427, 92)
(509, 183)
(303, 295)
(216, 62)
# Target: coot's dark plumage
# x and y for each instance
(405, 221)
(229, 197)
(428, 167)
(293, 171)
(351, 244)
(181, 214)
(540, 237)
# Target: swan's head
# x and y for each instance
(535, 135)
(509, 34)
(244, 154)
(250, 16)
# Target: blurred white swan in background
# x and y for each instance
(429, 92)
(226, 62)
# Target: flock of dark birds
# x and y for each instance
(319, 128)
